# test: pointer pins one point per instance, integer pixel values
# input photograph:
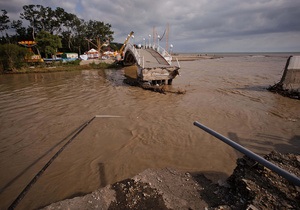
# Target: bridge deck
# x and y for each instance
(152, 68)
(152, 59)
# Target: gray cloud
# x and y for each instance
(196, 25)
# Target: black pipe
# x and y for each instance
(290, 177)
(37, 176)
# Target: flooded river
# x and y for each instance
(40, 112)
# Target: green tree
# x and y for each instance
(12, 56)
(22, 33)
(71, 28)
(98, 33)
(98, 29)
(51, 20)
(4, 21)
(31, 14)
(47, 43)
(40, 19)
(45, 19)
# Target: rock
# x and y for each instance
(251, 187)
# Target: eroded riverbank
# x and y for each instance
(251, 186)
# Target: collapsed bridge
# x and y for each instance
(289, 85)
(149, 65)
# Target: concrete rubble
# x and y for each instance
(251, 187)
(289, 85)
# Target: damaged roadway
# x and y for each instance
(251, 186)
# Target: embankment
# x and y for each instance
(251, 186)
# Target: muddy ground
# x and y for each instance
(251, 186)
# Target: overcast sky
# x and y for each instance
(195, 25)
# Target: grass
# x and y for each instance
(59, 66)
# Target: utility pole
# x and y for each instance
(154, 36)
(167, 37)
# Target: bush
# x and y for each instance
(72, 63)
(12, 57)
(103, 65)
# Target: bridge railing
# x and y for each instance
(139, 59)
(164, 53)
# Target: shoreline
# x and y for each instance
(175, 57)
(199, 56)
(193, 57)
(83, 65)
(251, 186)
(109, 63)
(96, 64)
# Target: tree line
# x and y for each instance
(54, 29)
(72, 30)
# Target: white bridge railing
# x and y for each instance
(164, 53)
(139, 59)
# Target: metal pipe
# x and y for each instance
(40, 173)
(106, 116)
(290, 177)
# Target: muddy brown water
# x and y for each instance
(38, 111)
